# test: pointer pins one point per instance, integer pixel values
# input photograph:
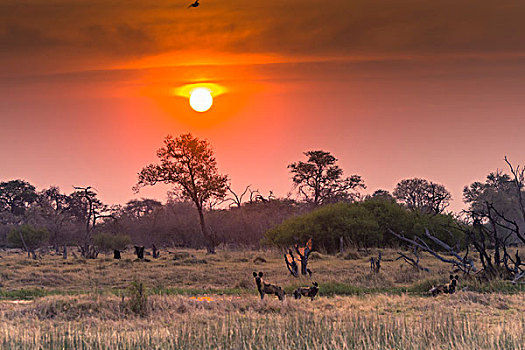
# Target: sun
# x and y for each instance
(201, 99)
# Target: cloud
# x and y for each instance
(96, 34)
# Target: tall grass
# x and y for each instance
(466, 320)
(275, 332)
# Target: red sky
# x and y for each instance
(394, 89)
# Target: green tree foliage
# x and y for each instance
(362, 224)
(106, 241)
(188, 164)
(320, 180)
(423, 195)
(27, 237)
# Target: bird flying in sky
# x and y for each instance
(195, 4)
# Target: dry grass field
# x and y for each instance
(203, 301)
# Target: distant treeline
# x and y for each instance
(330, 210)
(50, 217)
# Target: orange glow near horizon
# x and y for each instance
(186, 90)
(387, 91)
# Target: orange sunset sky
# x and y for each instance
(394, 89)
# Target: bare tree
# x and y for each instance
(234, 198)
(413, 261)
(463, 263)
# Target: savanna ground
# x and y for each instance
(201, 301)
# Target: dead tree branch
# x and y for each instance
(411, 261)
(463, 264)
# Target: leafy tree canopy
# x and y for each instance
(188, 164)
(16, 196)
(423, 195)
(320, 180)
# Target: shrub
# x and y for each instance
(33, 237)
(138, 300)
(362, 224)
(106, 241)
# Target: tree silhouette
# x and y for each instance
(320, 180)
(88, 210)
(188, 164)
(16, 196)
(423, 195)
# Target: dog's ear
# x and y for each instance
(456, 277)
(315, 284)
(254, 274)
(260, 274)
(451, 277)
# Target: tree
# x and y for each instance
(381, 195)
(87, 209)
(320, 180)
(52, 211)
(188, 164)
(496, 200)
(138, 208)
(423, 195)
(499, 190)
(497, 212)
(16, 196)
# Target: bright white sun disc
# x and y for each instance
(200, 99)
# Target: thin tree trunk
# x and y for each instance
(210, 244)
(30, 252)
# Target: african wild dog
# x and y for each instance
(266, 288)
(306, 291)
(447, 288)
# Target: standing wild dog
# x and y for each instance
(306, 291)
(266, 288)
(447, 288)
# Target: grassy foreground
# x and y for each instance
(196, 301)
(191, 272)
(463, 321)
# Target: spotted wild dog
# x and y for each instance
(447, 288)
(306, 291)
(266, 288)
